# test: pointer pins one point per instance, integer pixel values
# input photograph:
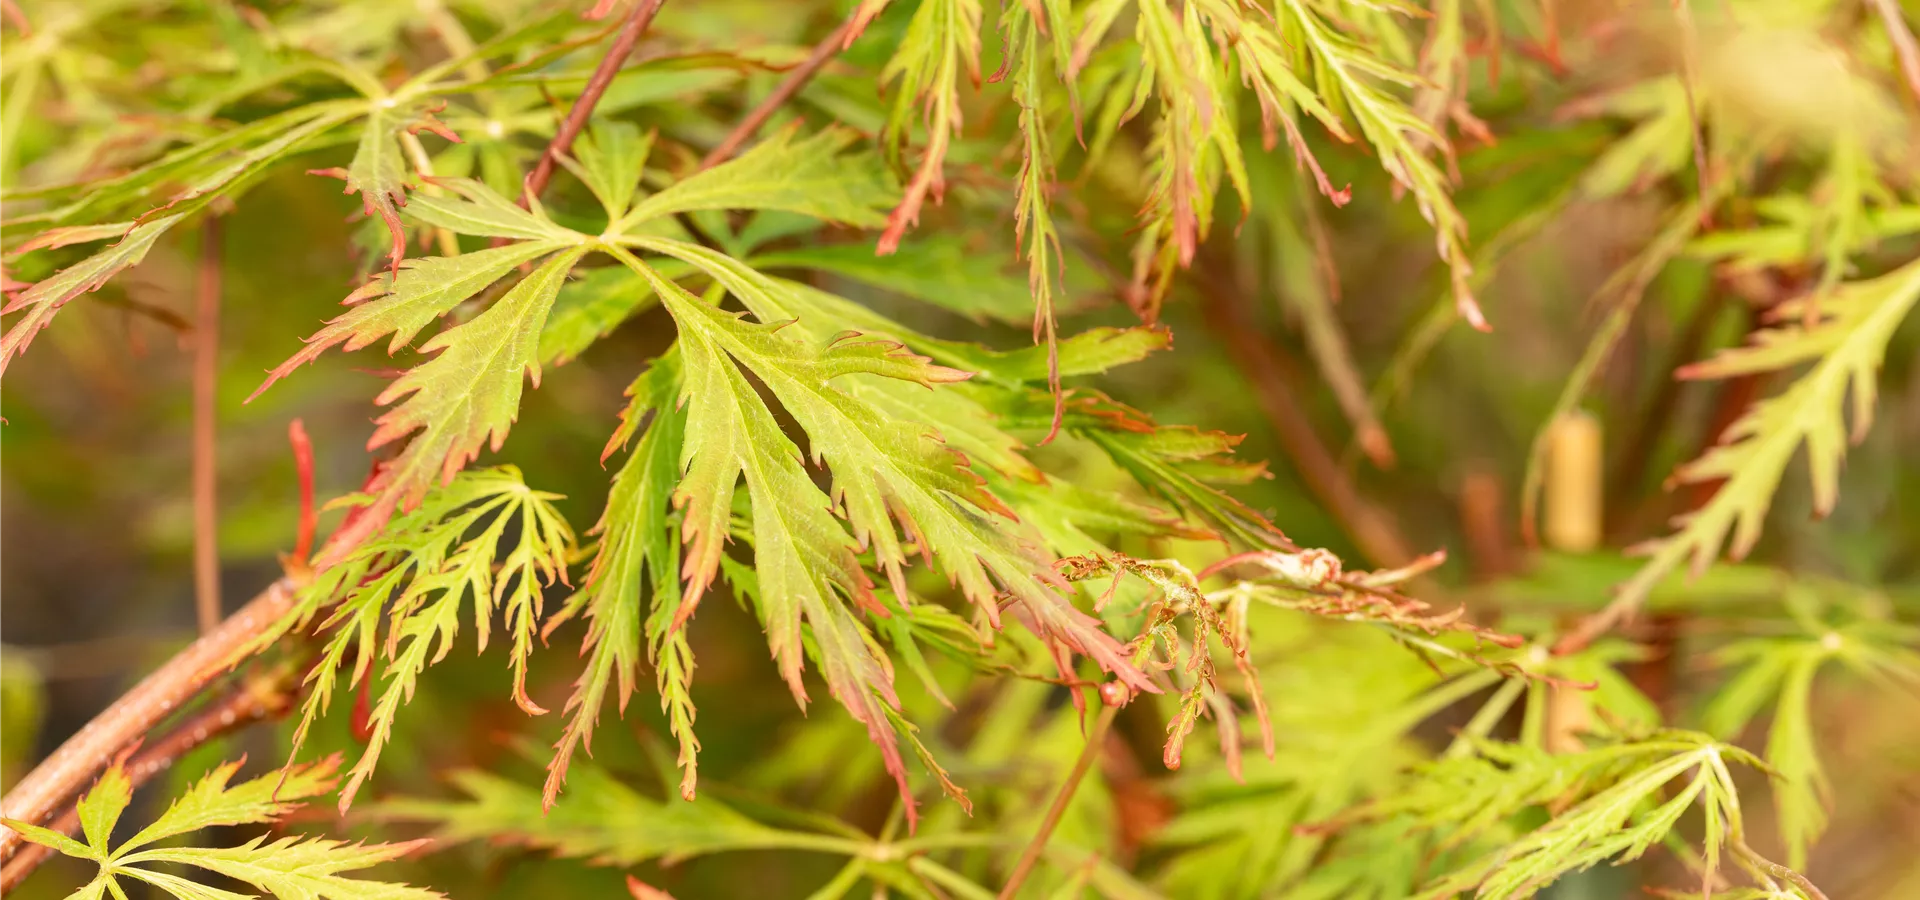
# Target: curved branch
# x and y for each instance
(637, 21)
(253, 700)
(67, 772)
(828, 47)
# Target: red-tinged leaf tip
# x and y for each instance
(862, 17)
(926, 180)
(521, 699)
(599, 10)
(63, 237)
(427, 122)
(643, 891)
(1469, 309)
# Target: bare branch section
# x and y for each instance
(788, 87)
(63, 775)
(638, 19)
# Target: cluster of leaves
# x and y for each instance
(282, 867)
(807, 449)
(485, 536)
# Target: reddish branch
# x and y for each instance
(1061, 798)
(303, 469)
(66, 773)
(788, 87)
(638, 19)
(251, 701)
(206, 383)
(1320, 473)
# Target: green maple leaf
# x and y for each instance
(1846, 347)
(292, 868)
(887, 470)
(486, 537)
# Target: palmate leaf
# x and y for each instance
(883, 470)
(886, 470)
(1781, 673)
(1846, 347)
(290, 868)
(484, 536)
(1622, 810)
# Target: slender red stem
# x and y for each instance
(576, 121)
(796, 79)
(206, 389)
(303, 468)
(1061, 798)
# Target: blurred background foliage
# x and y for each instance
(1325, 335)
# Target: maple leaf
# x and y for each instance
(484, 536)
(889, 470)
(292, 868)
(1846, 345)
(378, 172)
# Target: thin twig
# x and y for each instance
(303, 471)
(637, 21)
(206, 447)
(1319, 472)
(252, 700)
(1062, 797)
(1904, 45)
(828, 47)
(63, 775)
